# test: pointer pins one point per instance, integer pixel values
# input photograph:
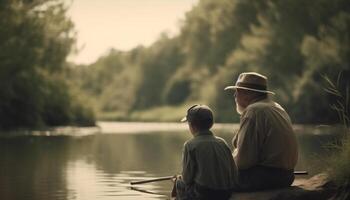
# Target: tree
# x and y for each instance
(35, 38)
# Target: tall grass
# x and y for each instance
(339, 162)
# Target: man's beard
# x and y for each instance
(239, 109)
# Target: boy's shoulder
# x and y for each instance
(199, 140)
(189, 142)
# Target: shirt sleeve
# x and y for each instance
(246, 151)
(188, 165)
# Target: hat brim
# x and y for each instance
(184, 119)
(233, 87)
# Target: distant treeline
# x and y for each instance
(294, 42)
(35, 39)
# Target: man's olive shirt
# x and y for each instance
(207, 161)
(265, 137)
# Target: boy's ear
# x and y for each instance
(191, 124)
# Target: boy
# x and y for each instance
(207, 165)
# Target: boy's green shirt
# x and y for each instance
(208, 162)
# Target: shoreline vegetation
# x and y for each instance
(339, 161)
(159, 114)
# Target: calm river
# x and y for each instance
(84, 164)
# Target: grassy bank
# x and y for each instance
(339, 163)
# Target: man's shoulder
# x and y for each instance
(264, 110)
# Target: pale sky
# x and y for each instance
(123, 24)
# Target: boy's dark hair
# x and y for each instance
(200, 116)
(204, 124)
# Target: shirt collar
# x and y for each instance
(256, 100)
(201, 133)
(259, 99)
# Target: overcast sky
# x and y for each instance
(122, 24)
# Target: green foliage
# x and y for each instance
(35, 38)
(178, 88)
(111, 82)
(293, 42)
(157, 65)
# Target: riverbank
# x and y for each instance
(318, 187)
(339, 162)
(331, 185)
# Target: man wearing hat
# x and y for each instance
(207, 165)
(265, 146)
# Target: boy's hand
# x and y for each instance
(175, 177)
(173, 191)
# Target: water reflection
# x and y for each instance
(101, 166)
(33, 168)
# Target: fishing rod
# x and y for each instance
(153, 180)
(171, 177)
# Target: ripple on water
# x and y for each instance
(84, 178)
